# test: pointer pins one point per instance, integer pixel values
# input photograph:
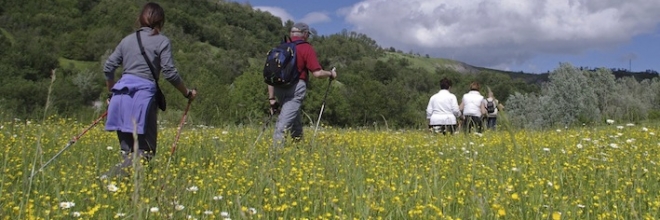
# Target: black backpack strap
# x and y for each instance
(300, 42)
(151, 66)
(286, 39)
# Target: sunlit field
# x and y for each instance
(606, 172)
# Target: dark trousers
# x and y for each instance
(444, 129)
(491, 122)
(146, 142)
(470, 122)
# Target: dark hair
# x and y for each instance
(475, 86)
(152, 16)
(445, 83)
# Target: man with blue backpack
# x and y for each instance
(286, 72)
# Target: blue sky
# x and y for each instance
(516, 35)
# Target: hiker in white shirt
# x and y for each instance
(491, 114)
(473, 108)
(442, 109)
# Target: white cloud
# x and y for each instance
(276, 11)
(315, 17)
(310, 18)
(503, 32)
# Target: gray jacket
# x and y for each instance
(158, 49)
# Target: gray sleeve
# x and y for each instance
(114, 60)
(170, 72)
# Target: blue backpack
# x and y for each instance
(280, 69)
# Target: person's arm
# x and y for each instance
(170, 72)
(188, 93)
(324, 74)
(272, 101)
(429, 109)
(455, 108)
(499, 105)
(111, 64)
(312, 64)
(482, 107)
(271, 93)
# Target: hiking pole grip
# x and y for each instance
(333, 70)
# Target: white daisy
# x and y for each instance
(154, 209)
(192, 189)
(67, 205)
(112, 188)
(179, 207)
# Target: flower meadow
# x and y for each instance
(607, 172)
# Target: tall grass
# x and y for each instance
(584, 173)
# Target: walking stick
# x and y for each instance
(263, 129)
(178, 134)
(176, 139)
(71, 142)
(178, 130)
(322, 107)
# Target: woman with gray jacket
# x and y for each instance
(132, 104)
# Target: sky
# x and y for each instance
(513, 35)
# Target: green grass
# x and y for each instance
(604, 172)
(429, 64)
(76, 64)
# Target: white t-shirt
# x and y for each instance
(442, 108)
(472, 103)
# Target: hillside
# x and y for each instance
(218, 48)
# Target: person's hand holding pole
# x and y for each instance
(274, 106)
(333, 74)
(191, 94)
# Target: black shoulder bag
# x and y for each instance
(160, 97)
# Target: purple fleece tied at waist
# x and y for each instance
(129, 104)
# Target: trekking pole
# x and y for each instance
(263, 129)
(318, 121)
(176, 139)
(71, 142)
(178, 134)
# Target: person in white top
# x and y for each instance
(473, 108)
(442, 109)
(493, 106)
